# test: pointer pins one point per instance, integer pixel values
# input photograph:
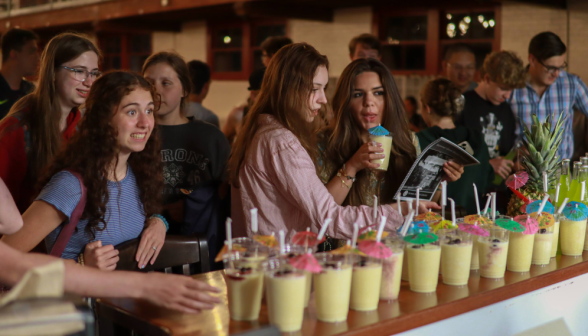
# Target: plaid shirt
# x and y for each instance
(566, 93)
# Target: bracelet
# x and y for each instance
(81, 259)
(342, 180)
(344, 172)
(161, 218)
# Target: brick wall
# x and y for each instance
(520, 22)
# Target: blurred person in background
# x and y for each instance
(365, 46)
(415, 120)
(459, 66)
(20, 58)
(200, 76)
(271, 46)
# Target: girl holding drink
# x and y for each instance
(272, 166)
(366, 97)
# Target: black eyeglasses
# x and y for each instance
(551, 69)
(83, 74)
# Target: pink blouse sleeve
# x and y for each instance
(294, 175)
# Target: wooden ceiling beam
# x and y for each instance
(282, 10)
(107, 10)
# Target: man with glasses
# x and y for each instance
(549, 89)
(20, 58)
(459, 66)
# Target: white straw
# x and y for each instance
(355, 233)
(477, 201)
(381, 229)
(487, 204)
(557, 193)
(418, 200)
(540, 210)
(452, 210)
(375, 208)
(282, 240)
(348, 242)
(229, 234)
(562, 206)
(409, 205)
(406, 224)
(545, 186)
(254, 220)
(399, 205)
(324, 228)
(583, 191)
(443, 198)
(493, 206)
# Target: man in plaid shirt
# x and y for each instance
(549, 89)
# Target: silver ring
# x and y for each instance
(155, 248)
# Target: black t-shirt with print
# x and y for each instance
(496, 122)
(191, 153)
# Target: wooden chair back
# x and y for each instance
(189, 252)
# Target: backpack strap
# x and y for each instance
(69, 228)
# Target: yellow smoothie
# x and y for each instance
(493, 254)
(555, 238)
(520, 252)
(456, 262)
(244, 291)
(542, 248)
(572, 235)
(475, 259)
(423, 267)
(405, 265)
(386, 142)
(391, 274)
(365, 284)
(285, 299)
(332, 289)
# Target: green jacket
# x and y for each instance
(482, 175)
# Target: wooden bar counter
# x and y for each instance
(410, 311)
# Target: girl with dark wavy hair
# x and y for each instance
(367, 96)
(40, 123)
(116, 151)
(272, 165)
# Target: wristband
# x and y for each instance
(162, 219)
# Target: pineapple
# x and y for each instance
(541, 143)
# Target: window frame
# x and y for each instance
(434, 44)
(247, 49)
(125, 52)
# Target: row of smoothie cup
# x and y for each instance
(346, 281)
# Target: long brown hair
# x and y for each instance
(346, 135)
(93, 149)
(177, 63)
(285, 90)
(40, 109)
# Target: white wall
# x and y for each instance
(332, 38)
(520, 22)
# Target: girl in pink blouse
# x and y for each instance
(272, 166)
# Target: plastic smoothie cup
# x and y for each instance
(520, 252)
(456, 254)
(493, 252)
(292, 251)
(542, 246)
(244, 286)
(405, 265)
(332, 287)
(423, 266)
(392, 269)
(365, 283)
(572, 236)
(285, 288)
(386, 141)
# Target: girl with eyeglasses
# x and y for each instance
(40, 123)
